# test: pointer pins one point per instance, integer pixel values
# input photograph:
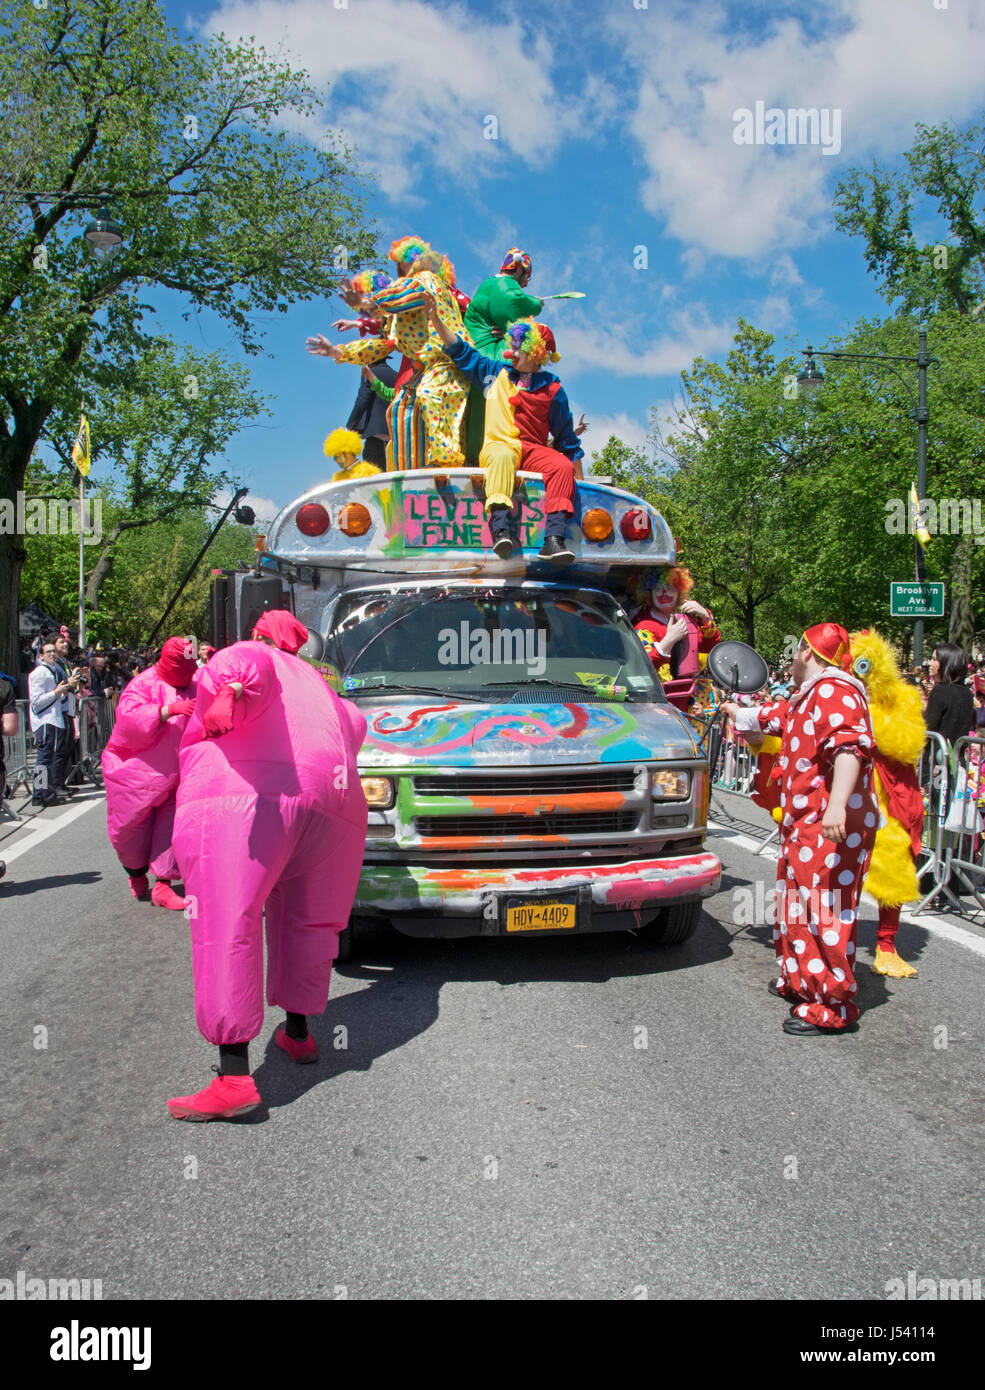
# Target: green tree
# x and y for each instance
(724, 479)
(940, 276)
(158, 421)
(217, 206)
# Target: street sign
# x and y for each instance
(916, 600)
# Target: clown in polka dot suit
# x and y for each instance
(829, 817)
(431, 393)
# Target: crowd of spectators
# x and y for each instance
(54, 679)
(952, 689)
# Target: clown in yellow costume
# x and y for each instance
(344, 446)
(900, 731)
(437, 389)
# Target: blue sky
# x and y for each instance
(615, 132)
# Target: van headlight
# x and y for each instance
(670, 784)
(380, 792)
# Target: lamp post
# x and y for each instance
(104, 233)
(810, 381)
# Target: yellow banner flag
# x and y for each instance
(80, 449)
(917, 519)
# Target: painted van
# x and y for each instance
(524, 771)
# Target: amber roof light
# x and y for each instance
(597, 524)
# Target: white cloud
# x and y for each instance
(425, 81)
(883, 73)
(625, 427)
(623, 349)
(773, 313)
(784, 271)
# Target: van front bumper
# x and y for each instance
(468, 902)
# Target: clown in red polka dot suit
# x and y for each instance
(829, 817)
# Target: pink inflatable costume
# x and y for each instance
(140, 769)
(270, 818)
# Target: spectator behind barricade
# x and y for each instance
(68, 751)
(45, 693)
(950, 705)
(98, 681)
(8, 727)
(28, 661)
(979, 698)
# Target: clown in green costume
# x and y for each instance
(500, 300)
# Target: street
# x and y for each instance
(590, 1118)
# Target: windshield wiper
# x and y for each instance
(594, 688)
(384, 687)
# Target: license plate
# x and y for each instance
(541, 916)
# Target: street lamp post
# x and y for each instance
(810, 381)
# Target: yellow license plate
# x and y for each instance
(541, 917)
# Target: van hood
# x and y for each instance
(403, 730)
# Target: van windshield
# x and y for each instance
(484, 641)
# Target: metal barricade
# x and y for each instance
(94, 715)
(934, 776)
(946, 854)
(735, 772)
(15, 757)
(962, 869)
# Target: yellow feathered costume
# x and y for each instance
(900, 732)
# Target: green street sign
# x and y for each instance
(915, 600)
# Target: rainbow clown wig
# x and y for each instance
(534, 339)
(342, 441)
(371, 281)
(413, 251)
(643, 582)
(407, 249)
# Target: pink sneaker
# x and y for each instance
(163, 895)
(140, 888)
(298, 1049)
(227, 1097)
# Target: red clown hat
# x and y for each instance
(830, 642)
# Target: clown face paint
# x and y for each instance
(663, 598)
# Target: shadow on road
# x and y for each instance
(10, 888)
(404, 978)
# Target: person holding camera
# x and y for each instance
(74, 677)
(46, 693)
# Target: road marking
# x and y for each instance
(38, 834)
(934, 926)
(746, 841)
(937, 927)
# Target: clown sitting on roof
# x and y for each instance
(524, 406)
(344, 447)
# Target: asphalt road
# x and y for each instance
(553, 1118)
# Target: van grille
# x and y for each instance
(534, 783)
(496, 827)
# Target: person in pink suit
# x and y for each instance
(270, 813)
(140, 770)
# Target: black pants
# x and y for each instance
(48, 741)
(374, 451)
(64, 752)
